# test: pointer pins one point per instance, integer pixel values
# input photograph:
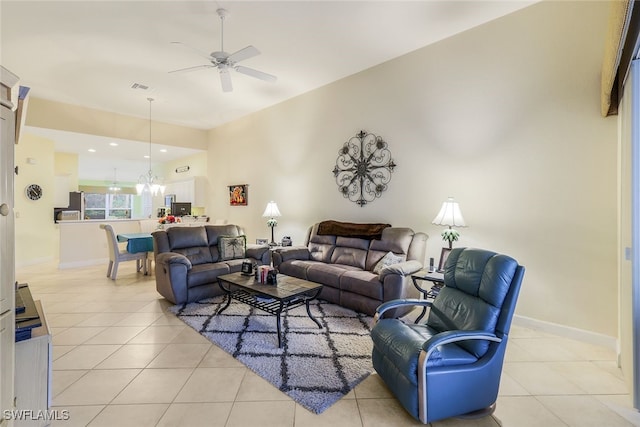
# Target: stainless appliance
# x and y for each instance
(69, 216)
(76, 202)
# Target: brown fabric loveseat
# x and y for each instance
(190, 259)
(345, 262)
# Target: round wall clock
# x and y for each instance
(33, 192)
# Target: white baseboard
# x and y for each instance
(567, 331)
(35, 261)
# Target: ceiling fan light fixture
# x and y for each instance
(223, 61)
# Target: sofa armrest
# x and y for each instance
(258, 252)
(292, 252)
(405, 268)
(171, 276)
(173, 258)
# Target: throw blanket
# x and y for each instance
(350, 229)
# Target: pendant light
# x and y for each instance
(149, 183)
(114, 187)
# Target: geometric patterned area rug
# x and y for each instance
(315, 367)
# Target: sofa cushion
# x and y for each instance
(196, 255)
(320, 252)
(350, 251)
(389, 259)
(394, 239)
(232, 247)
(320, 247)
(349, 256)
(296, 268)
(204, 274)
(363, 283)
(186, 237)
(327, 274)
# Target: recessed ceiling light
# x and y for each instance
(163, 150)
(146, 156)
(91, 150)
(113, 144)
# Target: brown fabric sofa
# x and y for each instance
(189, 260)
(345, 264)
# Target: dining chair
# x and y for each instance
(117, 255)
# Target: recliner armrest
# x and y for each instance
(449, 337)
(389, 305)
(405, 268)
(173, 258)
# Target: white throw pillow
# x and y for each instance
(389, 259)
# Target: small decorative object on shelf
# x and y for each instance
(169, 219)
(286, 241)
(363, 168)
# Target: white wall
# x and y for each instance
(505, 118)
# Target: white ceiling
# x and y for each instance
(90, 52)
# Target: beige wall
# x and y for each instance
(197, 167)
(36, 233)
(56, 115)
(503, 117)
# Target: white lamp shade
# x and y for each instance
(449, 214)
(272, 210)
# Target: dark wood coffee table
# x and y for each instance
(290, 292)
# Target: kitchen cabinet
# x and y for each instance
(33, 373)
(192, 190)
(8, 101)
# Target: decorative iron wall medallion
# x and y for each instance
(363, 168)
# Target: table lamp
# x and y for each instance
(450, 215)
(272, 212)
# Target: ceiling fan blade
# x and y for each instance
(242, 54)
(225, 80)
(199, 52)
(255, 73)
(194, 68)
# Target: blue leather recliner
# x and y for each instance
(451, 364)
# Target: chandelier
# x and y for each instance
(149, 183)
(114, 187)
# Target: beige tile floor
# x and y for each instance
(121, 359)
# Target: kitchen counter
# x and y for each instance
(83, 243)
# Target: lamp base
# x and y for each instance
(273, 240)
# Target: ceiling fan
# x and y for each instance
(224, 61)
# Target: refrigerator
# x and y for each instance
(76, 202)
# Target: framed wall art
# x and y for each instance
(443, 259)
(238, 195)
